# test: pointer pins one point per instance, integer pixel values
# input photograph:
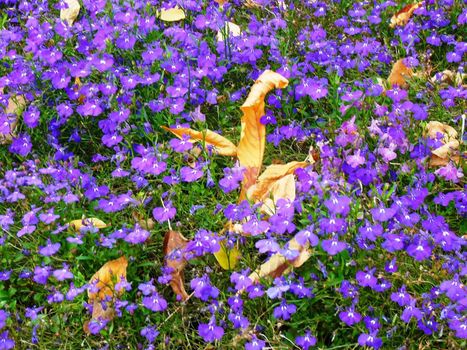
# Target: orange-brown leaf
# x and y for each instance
(15, 106)
(401, 17)
(277, 265)
(284, 188)
(448, 151)
(221, 145)
(250, 149)
(399, 74)
(175, 242)
(270, 176)
(111, 273)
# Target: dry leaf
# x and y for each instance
(283, 188)
(172, 15)
(147, 224)
(250, 149)
(403, 16)
(104, 281)
(221, 145)
(443, 154)
(448, 77)
(230, 29)
(277, 265)
(70, 14)
(95, 222)
(221, 2)
(173, 242)
(15, 106)
(227, 258)
(269, 177)
(399, 73)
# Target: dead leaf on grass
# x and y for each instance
(448, 151)
(70, 14)
(399, 74)
(402, 17)
(174, 244)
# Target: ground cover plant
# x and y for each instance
(232, 174)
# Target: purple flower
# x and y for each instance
(21, 145)
(182, 145)
(370, 340)
(189, 174)
(411, 311)
(255, 344)
(241, 280)
(333, 246)
(366, 279)
(63, 273)
(3, 317)
(306, 341)
(305, 235)
(150, 333)
(154, 302)
(420, 250)
(338, 204)
(459, 326)
(401, 297)
(350, 316)
(450, 173)
(96, 325)
(210, 331)
(49, 249)
(284, 310)
(6, 343)
(382, 214)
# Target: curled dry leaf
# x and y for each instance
(227, 257)
(277, 265)
(448, 151)
(78, 224)
(230, 29)
(269, 177)
(402, 17)
(70, 14)
(283, 188)
(250, 149)
(174, 244)
(172, 15)
(103, 282)
(221, 145)
(399, 73)
(449, 77)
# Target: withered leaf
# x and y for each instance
(270, 176)
(283, 188)
(103, 286)
(230, 29)
(222, 146)
(70, 14)
(15, 106)
(172, 15)
(79, 223)
(250, 149)
(448, 151)
(399, 74)
(277, 265)
(145, 223)
(174, 244)
(402, 17)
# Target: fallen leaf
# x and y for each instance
(277, 265)
(172, 15)
(15, 106)
(175, 242)
(70, 14)
(399, 74)
(147, 224)
(448, 151)
(222, 146)
(95, 222)
(283, 188)
(230, 29)
(402, 17)
(273, 173)
(104, 281)
(250, 149)
(449, 77)
(226, 257)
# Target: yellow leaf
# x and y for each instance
(250, 149)
(78, 224)
(403, 16)
(226, 257)
(70, 14)
(230, 29)
(104, 281)
(399, 74)
(283, 188)
(15, 106)
(277, 265)
(269, 177)
(172, 15)
(222, 146)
